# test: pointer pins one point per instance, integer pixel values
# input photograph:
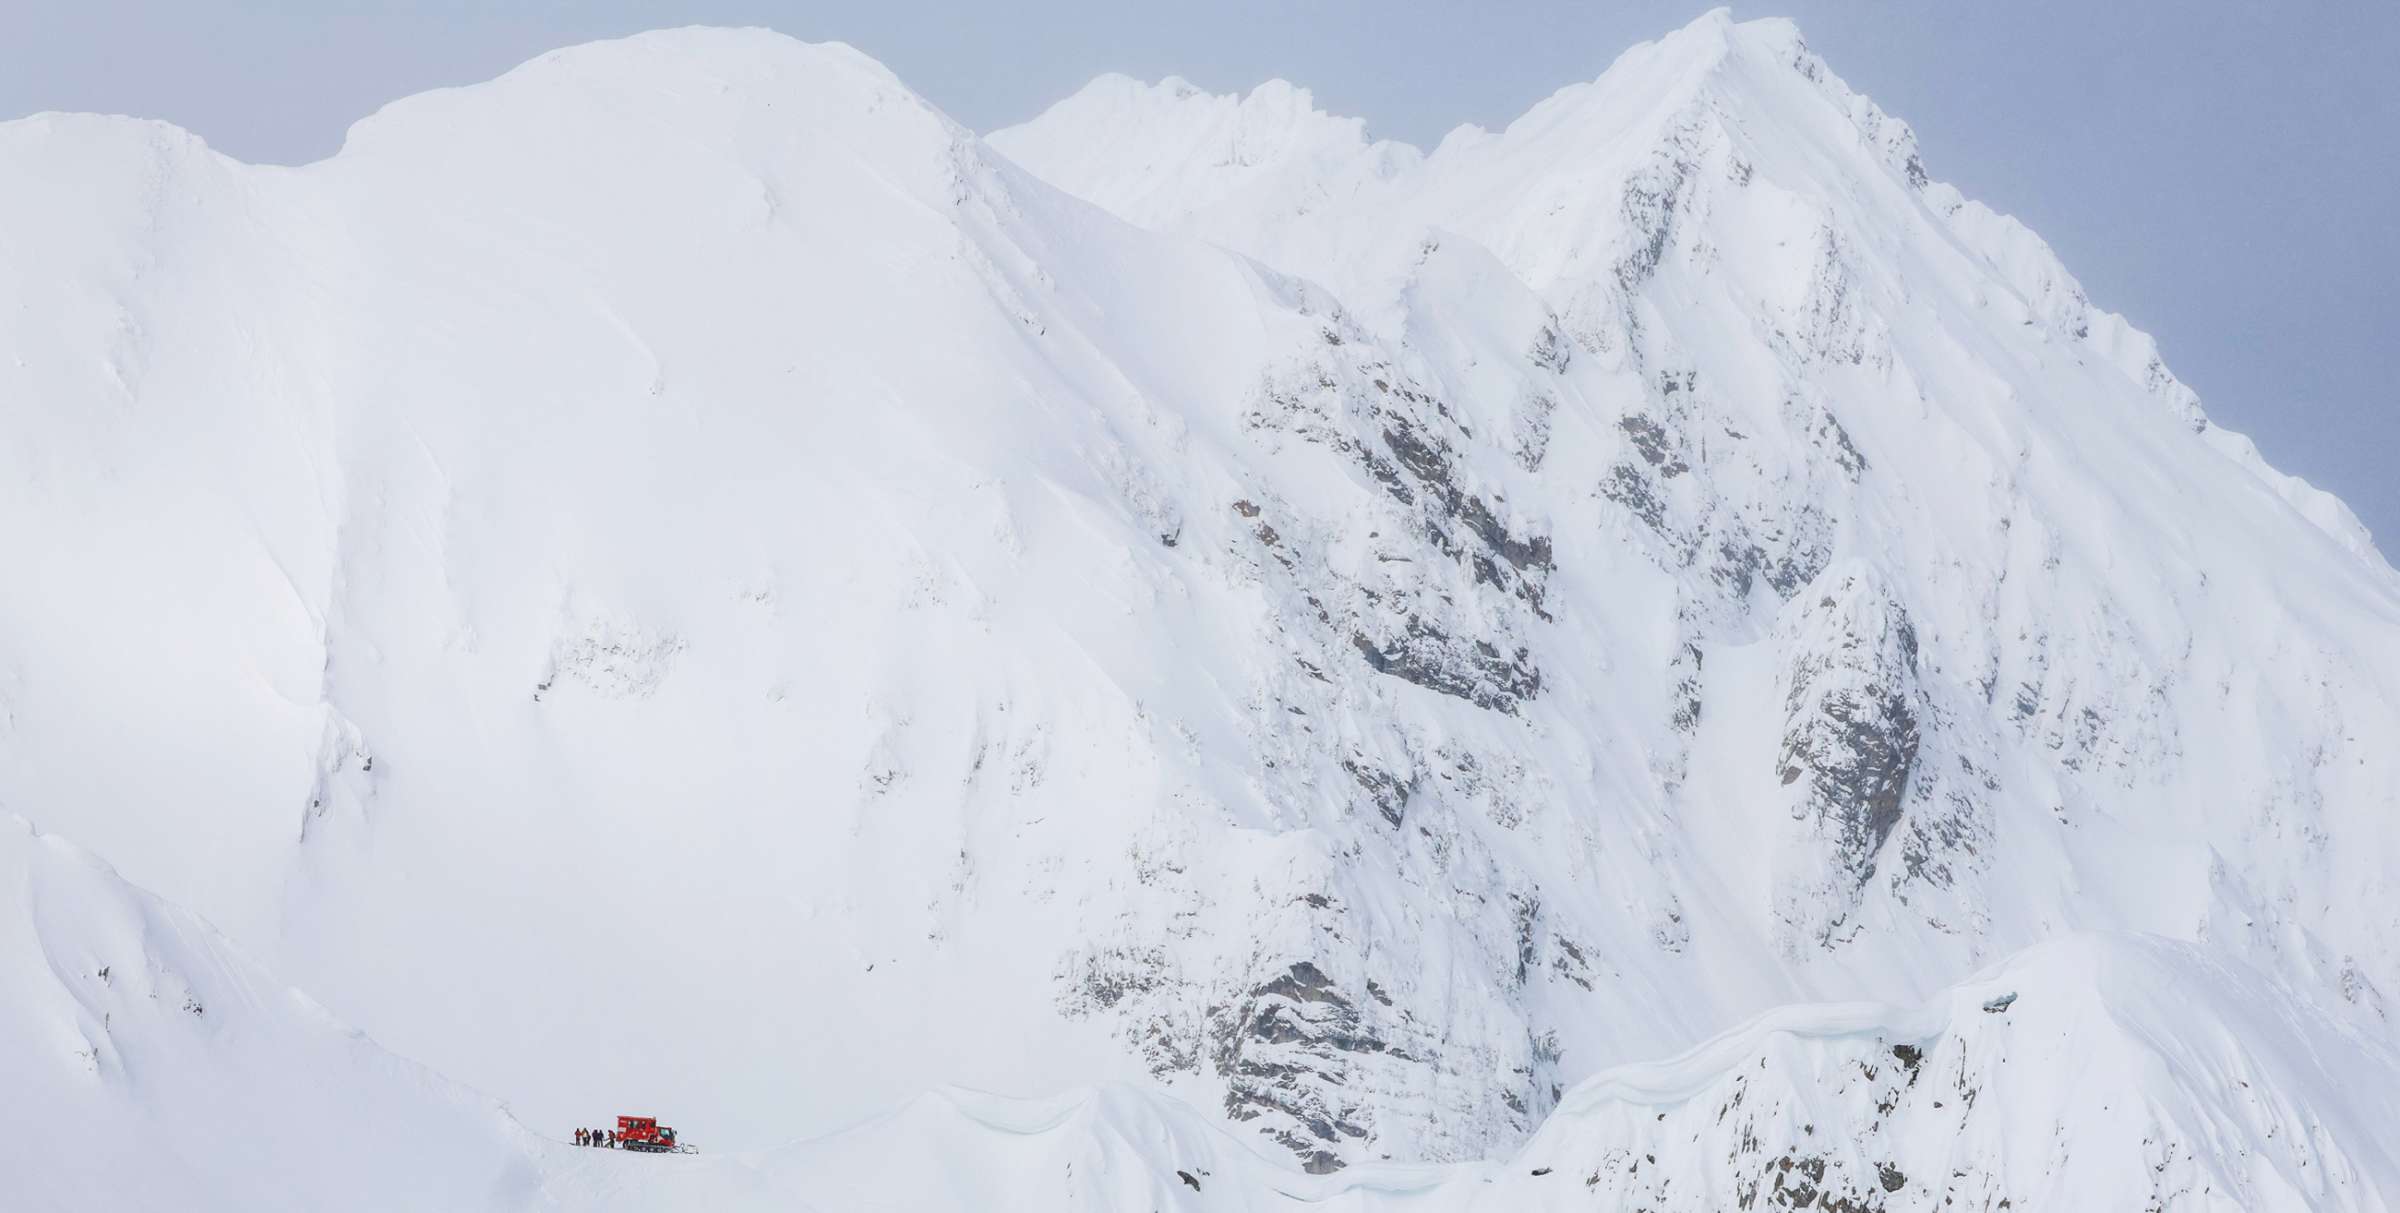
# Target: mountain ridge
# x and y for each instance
(1694, 58)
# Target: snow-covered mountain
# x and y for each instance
(681, 580)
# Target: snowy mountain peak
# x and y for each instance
(1198, 151)
(1737, 124)
(1741, 272)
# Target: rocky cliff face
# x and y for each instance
(1851, 741)
(1830, 493)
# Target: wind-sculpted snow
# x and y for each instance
(2101, 1072)
(681, 577)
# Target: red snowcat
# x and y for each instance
(644, 1133)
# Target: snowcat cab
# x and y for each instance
(644, 1134)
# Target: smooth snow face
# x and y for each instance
(680, 581)
(150, 1065)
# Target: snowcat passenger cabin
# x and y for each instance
(644, 1134)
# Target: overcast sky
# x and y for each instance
(2224, 172)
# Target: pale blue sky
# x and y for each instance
(2226, 173)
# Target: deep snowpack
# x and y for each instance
(1169, 657)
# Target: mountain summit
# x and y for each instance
(681, 577)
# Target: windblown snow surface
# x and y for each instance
(680, 581)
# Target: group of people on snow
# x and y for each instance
(603, 1138)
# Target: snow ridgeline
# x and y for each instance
(171, 1070)
(680, 577)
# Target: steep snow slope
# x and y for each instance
(677, 578)
(149, 1065)
(677, 599)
